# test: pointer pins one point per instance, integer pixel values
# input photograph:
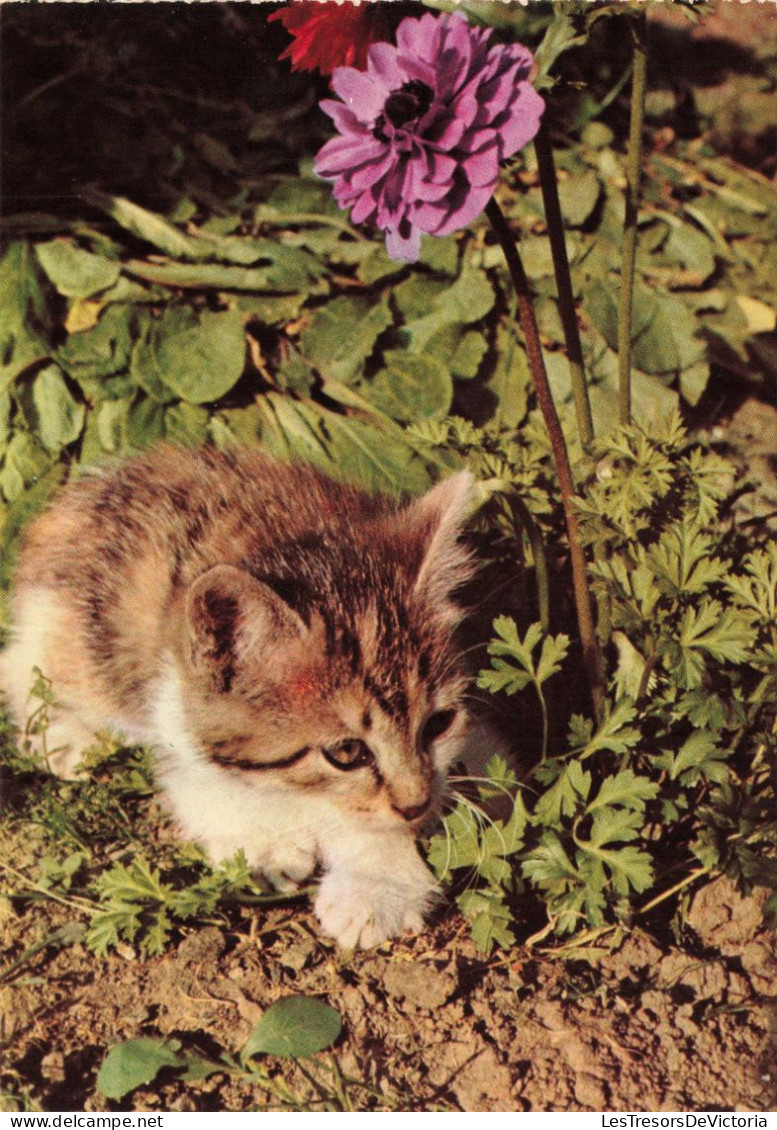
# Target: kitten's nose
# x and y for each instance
(414, 812)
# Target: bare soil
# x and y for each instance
(634, 1021)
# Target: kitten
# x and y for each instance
(282, 641)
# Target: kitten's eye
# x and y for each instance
(352, 753)
(436, 725)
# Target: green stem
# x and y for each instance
(566, 298)
(633, 170)
(592, 659)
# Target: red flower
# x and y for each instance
(328, 35)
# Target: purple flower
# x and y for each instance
(423, 130)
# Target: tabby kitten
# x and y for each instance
(282, 641)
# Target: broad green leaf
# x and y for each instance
(112, 424)
(200, 357)
(147, 225)
(74, 272)
(468, 355)
(58, 417)
(92, 356)
(665, 341)
(187, 424)
(579, 196)
(136, 1063)
(25, 462)
(294, 1028)
(507, 386)
(692, 249)
(216, 276)
(5, 420)
(466, 301)
(411, 387)
(25, 322)
(145, 423)
(342, 335)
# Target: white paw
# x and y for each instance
(365, 910)
(66, 741)
(288, 868)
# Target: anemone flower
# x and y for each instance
(327, 34)
(423, 130)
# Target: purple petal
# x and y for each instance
(404, 247)
(361, 91)
(342, 153)
(384, 65)
(364, 209)
(521, 122)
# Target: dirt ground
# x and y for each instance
(679, 1014)
(630, 1024)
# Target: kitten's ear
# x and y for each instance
(438, 519)
(232, 616)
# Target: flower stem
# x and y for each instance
(566, 298)
(633, 170)
(591, 654)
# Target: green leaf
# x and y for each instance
(146, 225)
(579, 195)
(691, 249)
(25, 462)
(136, 1063)
(468, 355)
(294, 1028)
(25, 323)
(200, 357)
(137, 883)
(626, 789)
(215, 276)
(614, 733)
(564, 795)
(411, 387)
(508, 385)
(725, 635)
(466, 301)
(683, 562)
(342, 335)
(699, 752)
(187, 424)
(74, 272)
(52, 412)
(458, 845)
(93, 355)
(560, 36)
(489, 917)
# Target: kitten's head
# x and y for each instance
(329, 663)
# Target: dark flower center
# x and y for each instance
(407, 104)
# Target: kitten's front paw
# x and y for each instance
(363, 911)
(288, 869)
